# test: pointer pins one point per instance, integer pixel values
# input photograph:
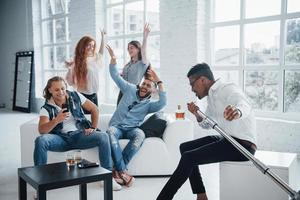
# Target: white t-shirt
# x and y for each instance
(69, 124)
(93, 70)
(94, 65)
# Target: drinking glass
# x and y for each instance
(70, 159)
(78, 156)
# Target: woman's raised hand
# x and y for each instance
(147, 30)
(69, 64)
(112, 54)
(103, 32)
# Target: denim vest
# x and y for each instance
(74, 105)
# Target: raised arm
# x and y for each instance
(144, 44)
(101, 49)
(152, 74)
(157, 105)
(121, 83)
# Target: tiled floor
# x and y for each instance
(143, 188)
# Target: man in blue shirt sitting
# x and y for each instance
(130, 113)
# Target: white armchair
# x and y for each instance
(156, 157)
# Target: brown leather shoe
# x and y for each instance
(128, 180)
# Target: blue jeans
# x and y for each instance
(73, 140)
(122, 158)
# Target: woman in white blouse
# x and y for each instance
(83, 71)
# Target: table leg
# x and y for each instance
(108, 194)
(82, 192)
(41, 194)
(22, 189)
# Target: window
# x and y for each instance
(54, 40)
(125, 22)
(256, 44)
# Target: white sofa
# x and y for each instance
(156, 156)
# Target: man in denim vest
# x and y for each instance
(63, 126)
(130, 113)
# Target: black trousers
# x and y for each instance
(93, 98)
(210, 149)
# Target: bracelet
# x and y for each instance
(240, 112)
(158, 82)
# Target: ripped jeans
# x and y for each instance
(122, 158)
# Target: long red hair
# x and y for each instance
(80, 67)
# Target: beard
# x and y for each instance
(199, 97)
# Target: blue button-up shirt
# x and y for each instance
(132, 110)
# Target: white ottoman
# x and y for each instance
(242, 180)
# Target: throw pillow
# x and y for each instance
(154, 126)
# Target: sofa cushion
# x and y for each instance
(154, 126)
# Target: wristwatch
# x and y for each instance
(158, 82)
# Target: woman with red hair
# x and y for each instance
(83, 71)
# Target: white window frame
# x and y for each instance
(242, 66)
(42, 20)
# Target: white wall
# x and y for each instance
(178, 49)
(15, 35)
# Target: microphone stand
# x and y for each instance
(257, 163)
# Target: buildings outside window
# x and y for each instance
(256, 44)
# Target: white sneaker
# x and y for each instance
(115, 186)
(35, 196)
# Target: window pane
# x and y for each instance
(292, 91)
(262, 43)
(60, 30)
(47, 32)
(68, 30)
(50, 74)
(293, 6)
(59, 6)
(47, 9)
(71, 52)
(292, 47)
(260, 8)
(262, 88)
(60, 56)
(153, 52)
(115, 20)
(48, 58)
(226, 10)
(227, 76)
(134, 17)
(152, 14)
(226, 50)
